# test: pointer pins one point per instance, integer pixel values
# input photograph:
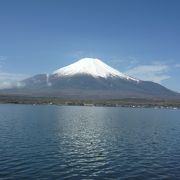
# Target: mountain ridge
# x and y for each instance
(91, 78)
(93, 67)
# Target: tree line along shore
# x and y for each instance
(126, 102)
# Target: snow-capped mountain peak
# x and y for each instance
(93, 67)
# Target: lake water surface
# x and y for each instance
(66, 142)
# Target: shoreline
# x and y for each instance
(127, 102)
(120, 106)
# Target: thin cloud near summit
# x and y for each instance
(9, 80)
(153, 72)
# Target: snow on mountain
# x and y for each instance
(72, 82)
(93, 67)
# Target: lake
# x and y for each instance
(74, 142)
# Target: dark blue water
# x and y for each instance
(65, 142)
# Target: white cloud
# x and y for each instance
(133, 60)
(8, 80)
(153, 72)
(114, 60)
(80, 54)
(177, 65)
(2, 58)
(130, 60)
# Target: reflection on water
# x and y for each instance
(49, 142)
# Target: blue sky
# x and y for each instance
(138, 37)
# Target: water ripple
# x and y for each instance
(51, 142)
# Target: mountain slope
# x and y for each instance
(93, 67)
(91, 78)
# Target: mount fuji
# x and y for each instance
(92, 67)
(90, 78)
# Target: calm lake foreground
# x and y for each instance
(74, 142)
